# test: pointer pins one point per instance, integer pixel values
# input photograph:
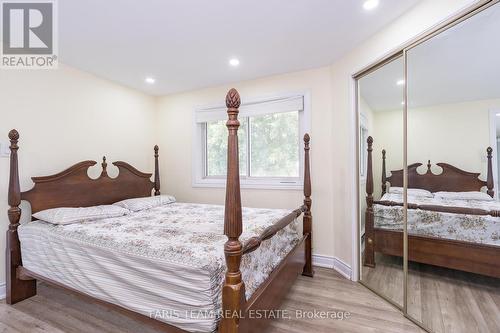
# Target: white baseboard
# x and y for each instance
(3, 291)
(332, 262)
(342, 268)
(322, 261)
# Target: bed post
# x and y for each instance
(17, 290)
(307, 219)
(157, 171)
(233, 292)
(489, 179)
(384, 176)
(369, 257)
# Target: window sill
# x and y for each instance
(245, 184)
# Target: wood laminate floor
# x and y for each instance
(445, 300)
(56, 311)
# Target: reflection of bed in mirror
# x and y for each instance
(445, 228)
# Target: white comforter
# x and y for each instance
(166, 262)
(471, 228)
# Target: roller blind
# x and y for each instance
(277, 105)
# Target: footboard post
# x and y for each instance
(489, 179)
(233, 292)
(384, 176)
(307, 219)
(369, 255)
(157, 171)
(17, 290)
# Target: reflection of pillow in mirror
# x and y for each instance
(395, 190)
(412, 192)
(473, 195)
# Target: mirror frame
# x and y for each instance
(394, 57)
(402, 51)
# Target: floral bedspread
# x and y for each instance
(189, 234)
(471, 228)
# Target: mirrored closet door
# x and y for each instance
(429, 165)
(453, 228)
(380, 95)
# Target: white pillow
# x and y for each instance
(395, 190)
(66, 215)
(412, 192)
(473, 195)
(138, 204)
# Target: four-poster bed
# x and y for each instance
(466, 255)
(74, 188)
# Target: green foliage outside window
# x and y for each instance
(274, 146)
(217, 147)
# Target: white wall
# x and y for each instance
(388, 135)
(457, 134)
(175, 128)
(65, 116)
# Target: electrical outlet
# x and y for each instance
(4, 150)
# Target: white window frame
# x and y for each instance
(269, 183)
(363, 127)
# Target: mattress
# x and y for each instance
(462, 227)
(166, 262)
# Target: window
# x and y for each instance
(216, 148)
(269, 138)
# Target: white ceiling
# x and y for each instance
(461, 64)
(187, 44)
(380, 90)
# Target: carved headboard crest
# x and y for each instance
(74, 188)
(451, 179)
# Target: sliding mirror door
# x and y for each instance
(380, 113)
(453, 224)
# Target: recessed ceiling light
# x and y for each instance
(403, 103)
(370, 4)
(400, 82)
(234, 62)
(150, 80)
(498, 114)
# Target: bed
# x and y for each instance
(181, 267)
(449, 232)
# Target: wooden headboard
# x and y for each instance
(451, 179)
(74, 188)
